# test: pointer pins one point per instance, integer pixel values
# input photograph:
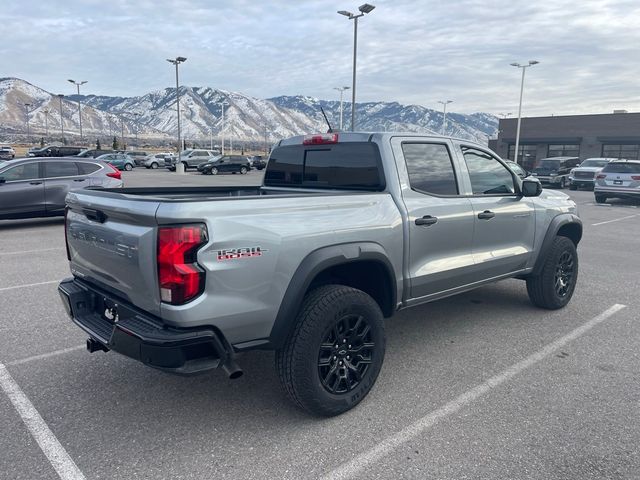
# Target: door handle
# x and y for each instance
(426, 220)
(486, 215)
(35, 183)
(79, 179)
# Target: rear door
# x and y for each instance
(22, 191)
(504, 220)
(59, 178)
(440, 219)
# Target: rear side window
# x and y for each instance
(430, 168)
(349, 165)
(619, 167)
(60, 169)
(87, 168)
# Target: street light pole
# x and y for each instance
(26, 109)
(60, 97)
(177, 61)
(444, 114)
(524, 68)
(223, 104)
(136, 115)
(46, 122)
(341, 90)
(77, 84)
(364, 9)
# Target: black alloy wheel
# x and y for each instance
(345, 354)
(564, 273)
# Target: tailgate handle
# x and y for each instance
(95, 215)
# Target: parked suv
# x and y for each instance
(137, 156)
(190, 158)
(157, 159)
(37, 187)
(7, 153)
(554, 171)
(618, 179)
(228, 163)
(584, 175)
(94, 153)
(54, 151)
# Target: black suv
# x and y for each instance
(61, 151)
(554, 171)
(227, 163)
(93, 153)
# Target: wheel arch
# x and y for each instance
(364, 266)
(564, 225)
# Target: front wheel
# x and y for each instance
(213, 171)
(332, 358)
(128, 167)
(563, 182)
(553, 287)
(572, 186)
(243, 170)
(154, 165)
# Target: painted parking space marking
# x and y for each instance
(4, 289)
(615, 220)
(60, 460)
(33, 251)
(387, 446)
(43, 356)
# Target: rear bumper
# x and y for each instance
(123, 328)
(617, 192)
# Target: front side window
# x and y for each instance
(430, 168)
(488, 176)
(60, 169)
(26, 171)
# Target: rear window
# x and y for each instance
(349, 165)
(619, 167)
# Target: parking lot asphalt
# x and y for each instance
(481, 385)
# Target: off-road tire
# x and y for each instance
(297, 362)
(543, 289)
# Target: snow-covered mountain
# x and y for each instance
(246, 118)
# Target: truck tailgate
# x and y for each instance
(112, 244)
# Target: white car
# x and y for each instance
(157, 159)
(7, 152)
(584, 175)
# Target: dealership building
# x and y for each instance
(615, 135)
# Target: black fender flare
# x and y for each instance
(556, 224)
(314, 263)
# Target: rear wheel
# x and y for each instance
(332, 358)
(243, 170)
(213, 171)
(185, 165)
(128, 167)
(553, 287)
(601, 199)
(154, 165)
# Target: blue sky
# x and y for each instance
(409, 51)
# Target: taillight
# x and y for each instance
(115, 173)
(66, 226)
(601, 176)
(179, 276)
(635, 177)
(320, 139)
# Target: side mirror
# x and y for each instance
(531, 187)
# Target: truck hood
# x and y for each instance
(549, 194)
(587, 169)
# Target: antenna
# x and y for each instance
(326, 120)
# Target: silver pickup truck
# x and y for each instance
(346, 230)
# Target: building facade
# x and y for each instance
(615, 135)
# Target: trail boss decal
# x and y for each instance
(236, 253)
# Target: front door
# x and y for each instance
(504, 220)
(440, 221)
(21, 191)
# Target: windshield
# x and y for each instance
(548, 165)
(594, 163)
(622, 167)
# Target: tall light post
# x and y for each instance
(26, 109)
(223, 104)
(78, 84)
(364, 9)
(60, 97)
(137, 116)
(341, 90)
(46, 122)
(177, 61)
(444, 114)
(524, 69)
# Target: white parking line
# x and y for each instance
(32, 251)
(385, 447)
(49, 444)
(46, 355)
(616, 220)
(28, 285)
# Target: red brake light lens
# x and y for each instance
(320, 139)
(115, 174)
(635, 177)
(180, 277)
(600, 176)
